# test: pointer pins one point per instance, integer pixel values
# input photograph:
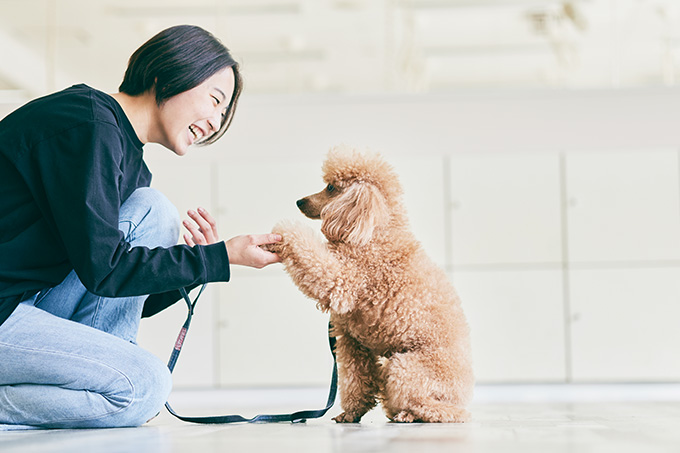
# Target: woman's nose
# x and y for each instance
(215, 122)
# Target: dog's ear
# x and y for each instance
(353, 216)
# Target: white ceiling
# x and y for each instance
(354, 46)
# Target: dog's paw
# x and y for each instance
(347, 418)
(298, 239)
(286, 229)
(276, 247)
(404, 417)
(438, 415)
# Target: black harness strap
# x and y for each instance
(296, 417)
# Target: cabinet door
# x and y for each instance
(517, 323)
(270, 334)
(197, 365)
(187, 186)
(625, 324)
(623, 206)
(422, 179)
(254, 196)
(506, 209)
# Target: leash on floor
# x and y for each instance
(296, 417)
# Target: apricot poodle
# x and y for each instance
(403, 339)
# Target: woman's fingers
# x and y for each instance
(204, 230)
(246, 251)
(188, 240)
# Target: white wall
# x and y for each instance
(556, 214)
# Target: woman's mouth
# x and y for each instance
(196, 132)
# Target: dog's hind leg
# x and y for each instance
(423, 387)
(357, 379)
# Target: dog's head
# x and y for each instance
(361, 192)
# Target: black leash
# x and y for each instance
(296, 417)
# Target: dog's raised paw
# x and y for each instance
(347, 418)
(274, 248)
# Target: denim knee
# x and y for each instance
(157, 390)
(149, 219)
(151, 387)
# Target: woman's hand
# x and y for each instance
(246, 251)
(204, 231)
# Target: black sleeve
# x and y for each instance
(81, 173)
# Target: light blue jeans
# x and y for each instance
(68, 358)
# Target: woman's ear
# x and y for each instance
(352, 217)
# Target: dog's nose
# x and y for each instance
(300, 203)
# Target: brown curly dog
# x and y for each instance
(403, 339)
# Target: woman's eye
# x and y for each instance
(217, 101)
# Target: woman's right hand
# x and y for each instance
(246, 251)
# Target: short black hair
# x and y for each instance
(176, 60)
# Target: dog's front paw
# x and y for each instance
(276, 247)
(347, 418)
(296, 238)
(287, 231)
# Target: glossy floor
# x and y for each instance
(510, 419)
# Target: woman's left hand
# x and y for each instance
(203, 231)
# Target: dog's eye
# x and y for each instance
(330, 188)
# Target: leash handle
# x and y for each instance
(295, 417)
(185, 328)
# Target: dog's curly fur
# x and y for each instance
(403, 339)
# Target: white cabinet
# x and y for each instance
(506, 227)
(623, 206)
(197, 366)
(506, 208)
(500, 222)
(424, 199)
(623, 211)
(517, 324)
(254, 196)
(270, 334)
(187, 185)
(625, 324)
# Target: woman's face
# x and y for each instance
(194, 114)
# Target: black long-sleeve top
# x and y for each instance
(67, 163)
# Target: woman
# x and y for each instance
(87, 248)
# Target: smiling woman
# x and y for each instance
(87, 248)
(194, 116)
(179, 59)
